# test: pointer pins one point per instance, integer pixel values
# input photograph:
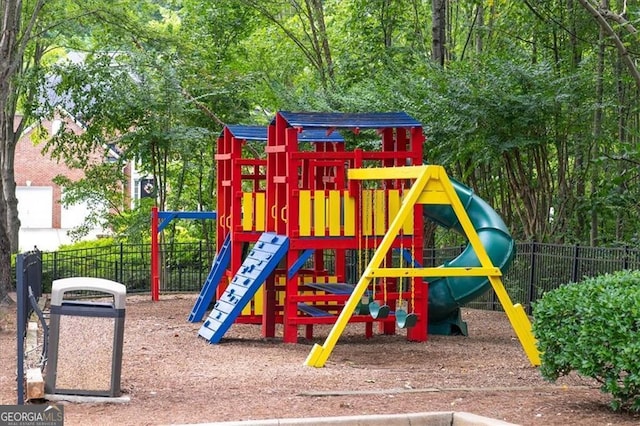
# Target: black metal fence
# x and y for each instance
(184, 265)
(536, 269)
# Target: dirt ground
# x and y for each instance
(173, 377)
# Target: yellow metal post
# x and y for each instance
(431, 186)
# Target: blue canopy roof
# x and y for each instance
(372, 120)
(259, 133)
(319, 135)
(251, 133)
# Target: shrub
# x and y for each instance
(593, 328)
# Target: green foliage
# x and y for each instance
(186, 262)
(593, 328)
(134, 225)
(510, 113)
(99, 243)
(102, 189)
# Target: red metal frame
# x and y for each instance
(289, 171)
(155, 256)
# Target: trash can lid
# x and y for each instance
(61, 286)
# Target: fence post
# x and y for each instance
(21, 296)
(532, 276)
(574, 271)
(201, 264)
(625, 264)
(121, 275)
(55, 266)
(494, 301)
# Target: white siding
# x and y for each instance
(72, 216)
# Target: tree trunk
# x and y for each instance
(320, 40)
(5, 245)
(8, 68)
(597, 132)
(601, 18)
(13, 44)
(529, 177)
(480, 30)
(438, 31)
(315, 43)
(7, 174)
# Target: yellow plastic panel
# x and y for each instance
(380, 207)
(260, 212)
(407, 226)
(334, 209)
(318, 213)
(367, 212)
(349, 215)
(305, 213)
(247, 211)
(394, 204)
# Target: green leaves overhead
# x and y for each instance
(512, 111)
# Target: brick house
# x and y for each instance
(44, 221)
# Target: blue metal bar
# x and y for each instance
(408, 257)
(300, 262)
(167, 217)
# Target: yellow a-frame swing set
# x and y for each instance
(431, 186)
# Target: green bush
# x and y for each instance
(593, 328)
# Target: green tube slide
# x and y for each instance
(448, 294)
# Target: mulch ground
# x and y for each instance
(172, 376)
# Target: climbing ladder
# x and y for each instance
(218, 268)
(261, 261)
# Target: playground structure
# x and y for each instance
(304, 182)
(287, 223)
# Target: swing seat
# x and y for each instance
(378, 311)
(361, 309)
(405, 320)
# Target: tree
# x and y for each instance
(103, 190)
(602, 14)
(19, 21)
(438, 32)
(27, 35)
(304, 24)
(132, 101)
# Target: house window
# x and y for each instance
(35, 206)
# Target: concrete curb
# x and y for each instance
(410, 419)
(58, 397)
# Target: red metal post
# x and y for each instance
(155, 256)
